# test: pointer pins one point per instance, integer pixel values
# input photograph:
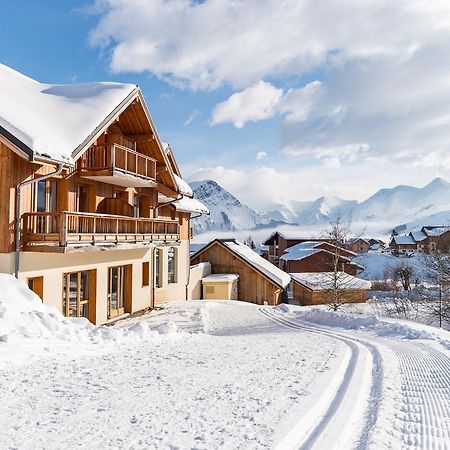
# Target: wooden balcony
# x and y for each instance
(62, 231)
(117, 164)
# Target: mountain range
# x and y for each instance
(402, 207)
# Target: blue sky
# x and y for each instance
(288, 100)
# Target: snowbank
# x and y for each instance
(23, 316)
(383, 327)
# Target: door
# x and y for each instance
(116, 291)
(78, 294)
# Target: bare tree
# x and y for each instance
(338, 282)
(403, 272)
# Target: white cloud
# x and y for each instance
(255, 103)
(261, 155)
(205, 44)
(194, 114)
(384, 90)
(263, 101)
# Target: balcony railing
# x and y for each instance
(60, 229)
(112, 158)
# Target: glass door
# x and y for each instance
(116, 291)
(76, 294)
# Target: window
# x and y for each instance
(158, 260)
(36, 284)
(145, 273)
(82, 198)
(172, 265)
(78, 292)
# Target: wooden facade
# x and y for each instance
(100, 213)
(253, 285)
(321, 261)
(307, 296)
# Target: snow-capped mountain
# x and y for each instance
(401, 207)
(227, 213)
(406, 203)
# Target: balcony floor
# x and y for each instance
(118, 178)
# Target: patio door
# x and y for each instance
(79, 294)
(119, 286)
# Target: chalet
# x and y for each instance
(426, 240)
(402, 244)
(317, 288)
(278, 242)
(358, 245)
(314, 256)
(95, 216)
(259, 280)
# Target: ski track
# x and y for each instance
(423, 404)
(326, 426)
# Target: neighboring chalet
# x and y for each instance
(358, 245)
(427, 240)
(314, 256)
(95, 216)
(259, 280)
(317, 288)
(278, 242)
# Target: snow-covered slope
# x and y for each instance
(406, 203)
(227, 213)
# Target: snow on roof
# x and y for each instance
(261, 249)
(418, 235)
(308, 248)
(435, 231)
(404, 240)
(299, 253)
(165, 146)
(221, 277)
(353, 240)
(321, 281)
(183, 187)
(272, 272)
(53, 120)
(190, 205)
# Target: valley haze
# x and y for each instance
(403, 208)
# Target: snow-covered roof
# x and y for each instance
(268, 269)
(322, 281)
(261, 249)
(183, 187)
(435, 231)
(296, 254)
(353, 240)
(308, 248)
(404, 240)
(190, 205)
(166, 147)
(418, 235)
(221, 277)
(54, 120)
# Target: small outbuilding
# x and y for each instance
(316, 288)
(220, 287)
(259, 280)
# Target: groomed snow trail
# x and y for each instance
(425, 409)
(342, 420)
(421, 414)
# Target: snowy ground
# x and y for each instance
(223, 375)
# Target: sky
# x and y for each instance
(277, 100)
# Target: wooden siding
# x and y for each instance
(253, 287)
(100, 197)
(309, 297)
(318, 262)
